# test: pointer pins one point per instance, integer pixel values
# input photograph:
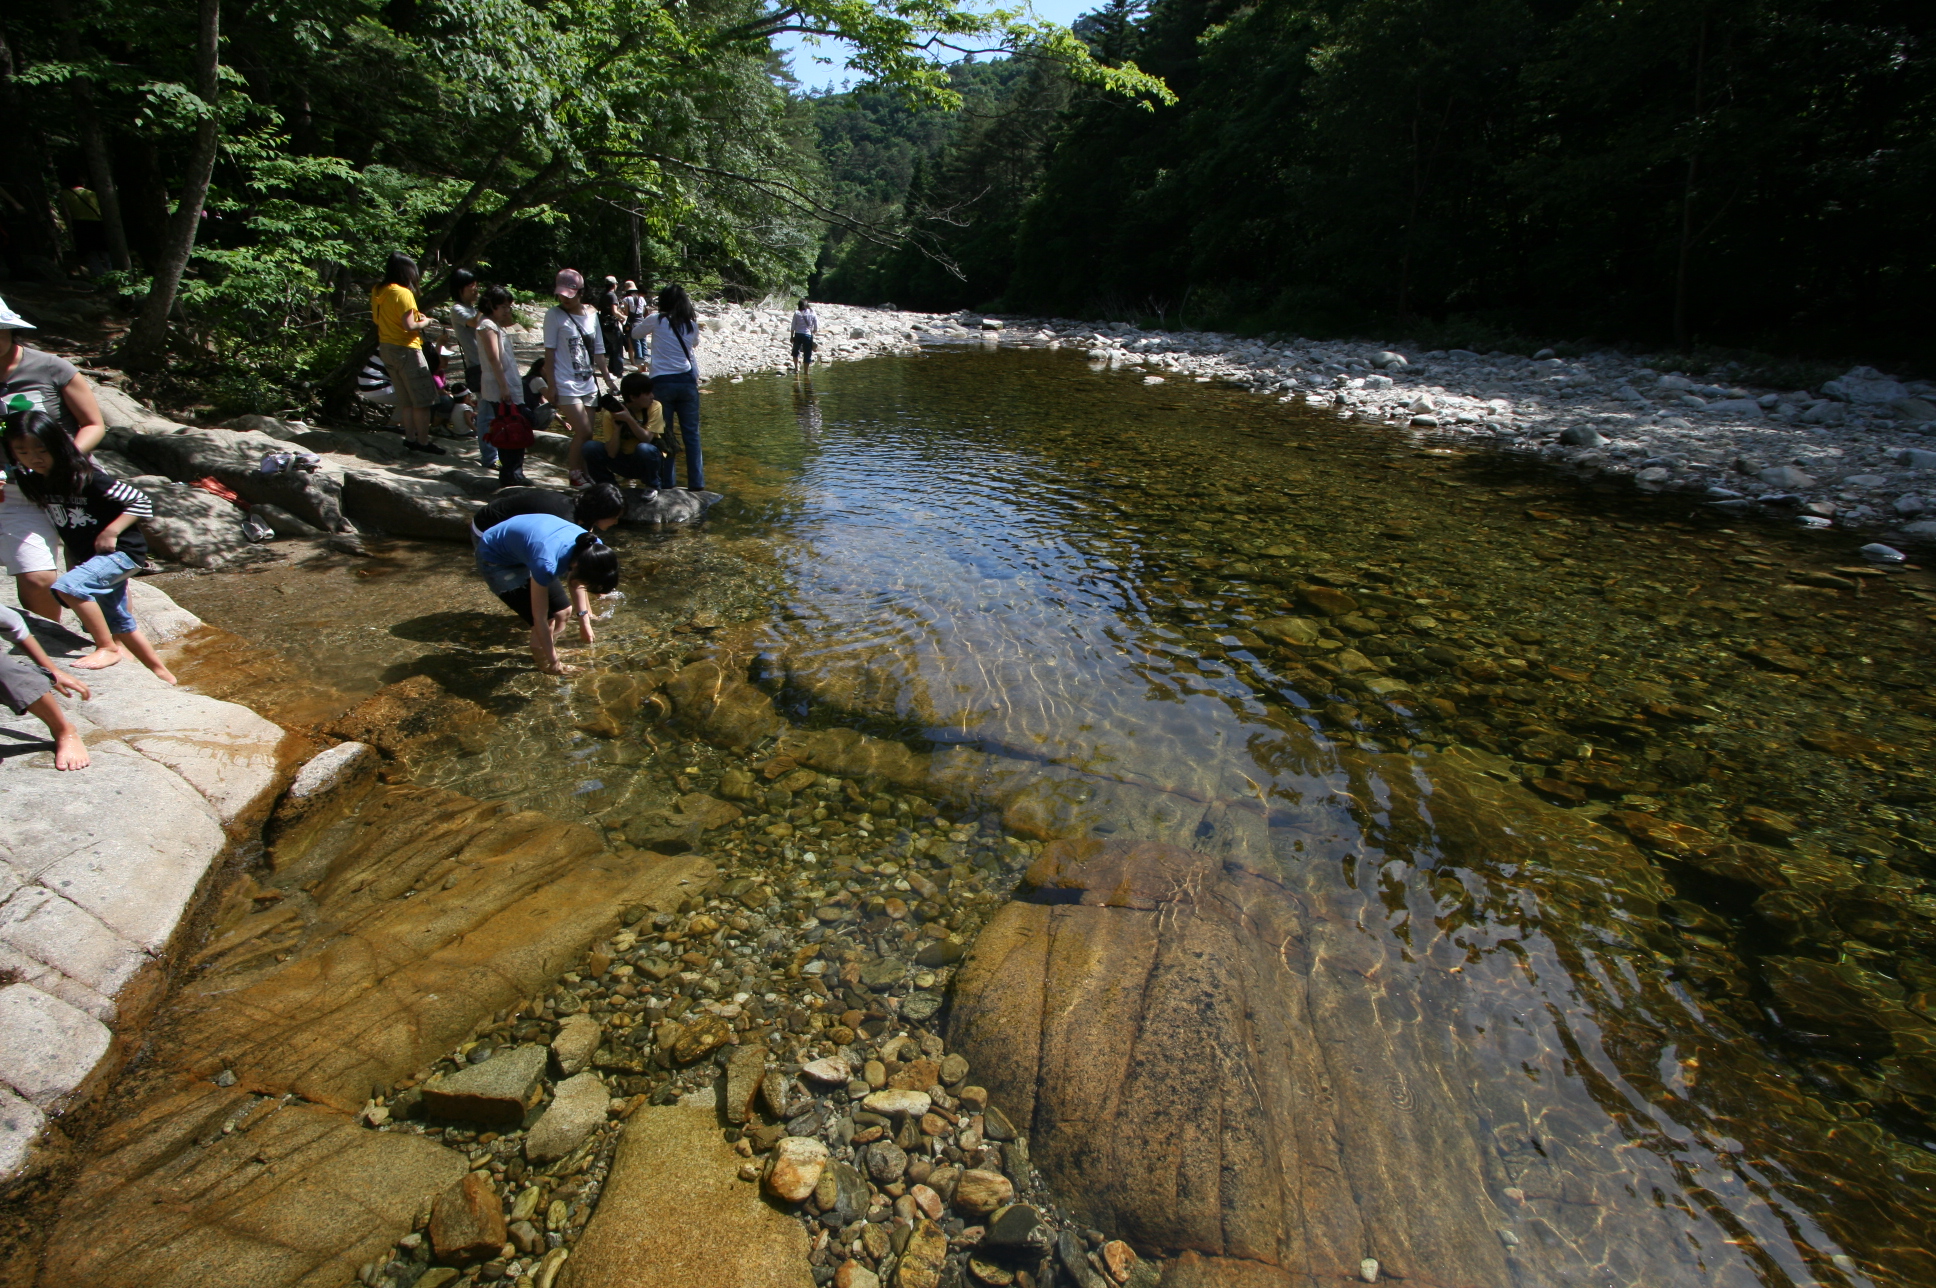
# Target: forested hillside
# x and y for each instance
(239, 170)
(1751, 172)
(1723, 172)
(953, 184)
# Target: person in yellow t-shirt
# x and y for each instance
(399, 337)
(625, 437)
(83, 210)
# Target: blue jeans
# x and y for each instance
(678, 395)
(646, 464)
(103, 579)
(486, 452)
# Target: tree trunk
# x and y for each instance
(26, 164)
(638, 267)
(434, 249)
(144, 198)
(148, 339)
(100, 168)
(1684, 261)
(339, 386)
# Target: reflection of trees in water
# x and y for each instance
(806, 408)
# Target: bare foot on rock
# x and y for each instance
(165, 675)
(70, 752)
(102, 658)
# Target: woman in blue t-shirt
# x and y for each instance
(522, 558)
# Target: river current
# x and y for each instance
(1628, 804)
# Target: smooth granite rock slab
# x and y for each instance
(288, 1196)
(48, 1049)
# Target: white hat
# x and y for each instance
(11, 321)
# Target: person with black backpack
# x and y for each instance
(674, 335)
(611, 320)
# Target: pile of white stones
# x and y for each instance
(1856, 451)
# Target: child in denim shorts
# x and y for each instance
(95, 516)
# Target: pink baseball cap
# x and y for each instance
(570, 282)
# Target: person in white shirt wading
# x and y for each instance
(806, 325)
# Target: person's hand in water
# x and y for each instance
(581, 608)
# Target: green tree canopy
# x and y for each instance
(507, 134)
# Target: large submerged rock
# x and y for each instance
(672, 505)
(208, 1185)
(334, 999)
(674, 1212)
(240, 1162)
(1268, 1057)
(415, 717)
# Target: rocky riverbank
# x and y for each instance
(339, 1031)
(742, 339)
(796, 994)
(101, 871)
(739, 340)
(1858, 452)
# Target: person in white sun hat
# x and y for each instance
(31, 380)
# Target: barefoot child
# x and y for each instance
(95, 516)
(27, 687)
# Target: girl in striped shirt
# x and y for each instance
(95, 515)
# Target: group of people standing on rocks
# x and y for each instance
(620, 424)
(540, 551)
(56, 504)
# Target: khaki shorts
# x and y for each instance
(22, 683)
(27, 539)
(409, 375)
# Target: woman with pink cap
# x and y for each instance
(574, 347)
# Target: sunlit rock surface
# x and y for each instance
(100, 868)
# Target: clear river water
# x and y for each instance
(1626, 807)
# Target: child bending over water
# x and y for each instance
(95, 516)
(523, 557)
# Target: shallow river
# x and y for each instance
(1708, 1059)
